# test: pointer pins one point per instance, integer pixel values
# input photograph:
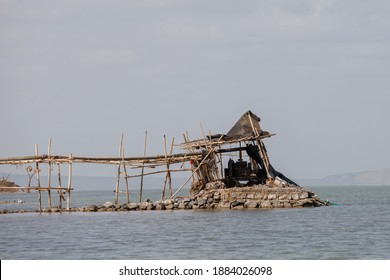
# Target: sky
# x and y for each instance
(83, 72)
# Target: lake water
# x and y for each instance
(358, 228)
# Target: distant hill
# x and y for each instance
(368, 178)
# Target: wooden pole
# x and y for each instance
(216, 171)
(49, 176)
(199, 174)
(206, 169)
(196, 169)
(160, 171)
(69, 182)
(170, 178)
(59, 185)
(38, 180)
(119, 172)
(142, 170)
(125, 176)
(168, 174)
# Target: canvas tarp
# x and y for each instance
(245, 127)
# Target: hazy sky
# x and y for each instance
(83, 72)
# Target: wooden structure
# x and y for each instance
(206, 158)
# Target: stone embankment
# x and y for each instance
(215, 196)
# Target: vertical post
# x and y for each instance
(199, 174)
(69, 182)
(216, 171)
(167, 164)
(49, 175)
(170, 178)
(38, 179)
(59, 185)
(206, 168)
(119, 172)
(143, 167)
(125, 176)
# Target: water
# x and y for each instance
(356, 229)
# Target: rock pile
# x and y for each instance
(214, 196)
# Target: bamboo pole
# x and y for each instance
(69, 181)
(206, 168)
(196, 169)
(126, 178)
(59, 185)
(158, 172)
(38, 180)
(43, 189)
(49, 176)
(170, 178)
(199, 174)
(216, 170)
(119, 172)
(142, 170)
(167, 171)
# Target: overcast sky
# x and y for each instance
(83, 72)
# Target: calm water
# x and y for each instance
(358, 228)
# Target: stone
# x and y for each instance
(143, 205)
(235, 204)
(109, 204)
(304, 195)
(182, 206)
(169, 207)
(265, 204)
(160, 206)
(91, 208)
(251, 204)
(287, 204)
(210, 200)
(295, 196)
(132, 206)
(272, 196)
(212, 206)
(201, 201)
(215, 185)
(150, 206)
(168, 202)
(54, 209)
(224, 205)
(283, 197)
(276, 204)
(125, 207)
